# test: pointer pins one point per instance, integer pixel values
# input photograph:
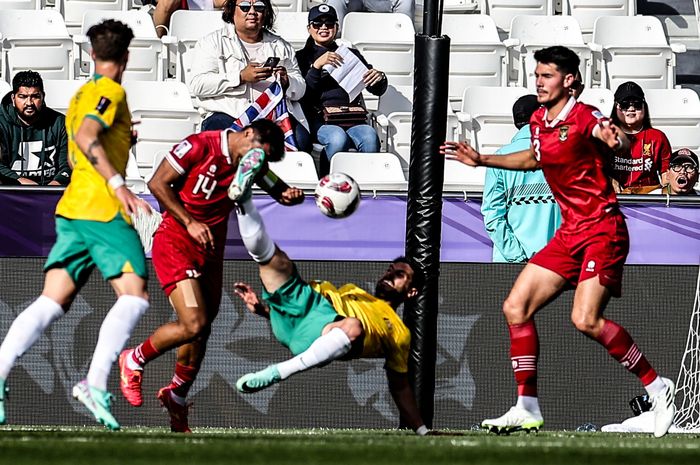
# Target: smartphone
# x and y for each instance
(271, 62)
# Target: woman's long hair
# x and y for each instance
(646, 123)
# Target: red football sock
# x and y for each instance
(524, 350)
(183, 379)
(145, 352)
(622, 348)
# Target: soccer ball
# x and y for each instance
(337, 195)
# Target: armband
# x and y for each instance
(421, 430)
(116, 181)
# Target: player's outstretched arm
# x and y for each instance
(404, 399)
(465, 153)
(279, 190)
(87, 139)
(612, 136)
(251, 299)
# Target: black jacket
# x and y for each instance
(321, 89)
(38, 152)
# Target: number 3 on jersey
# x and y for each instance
(536, 144)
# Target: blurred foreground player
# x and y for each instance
(570, 143)
(92, 225)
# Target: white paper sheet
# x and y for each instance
(349, 74)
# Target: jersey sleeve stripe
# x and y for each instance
(99, 120)
(176, 166)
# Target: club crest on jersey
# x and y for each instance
(563, 133)
(646, 149)
(182, 148)
(212, 169)
(102, 105)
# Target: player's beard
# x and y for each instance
(386, 291)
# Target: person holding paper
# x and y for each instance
(335, 76)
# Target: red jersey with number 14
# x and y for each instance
(574, 162)
(205, 164)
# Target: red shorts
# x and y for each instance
(176, 257)
(600, 251)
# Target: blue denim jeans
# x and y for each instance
(217, 121)
(336, 139)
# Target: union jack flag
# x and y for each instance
(271, 105)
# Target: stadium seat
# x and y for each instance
(587, 11)
(288, 5)
(503, 11)
(297, 169)
(477, 55)
(157, 160)
(5, 87)
(60, 92)
(73, 10)
(486, 117)
(386, 42)
(460, 6)
(462, 178)
(37, 40)
(373, 171)
(166, 116)
(134, 180)
(186, 28)
(531, 33)
(21, 4)
(602, 99)
(393, 122)
(147, 53)
(634, 48)
(291, 25)
(676, 112)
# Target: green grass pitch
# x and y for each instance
(151, 446)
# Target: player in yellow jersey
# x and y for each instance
(92, 225)
(319, 323)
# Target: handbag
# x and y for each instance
(344, 116)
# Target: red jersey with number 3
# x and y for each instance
(573, 162)
(204, 162)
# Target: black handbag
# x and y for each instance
(344, 116)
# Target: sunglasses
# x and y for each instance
(329, 23)
(687, 167)
(245, 7)
(636, 104)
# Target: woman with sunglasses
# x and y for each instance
(323, 91)
(228, 72)
(643, 168)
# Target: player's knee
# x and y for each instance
(514, 310)
(194, 327)
(585, 324)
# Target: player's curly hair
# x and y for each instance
(418, 277)
(566, 60)
(27, 79)
(269, 133)
(110, 40)
(268, 17)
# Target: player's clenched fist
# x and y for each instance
(201, 233)
(460, 151)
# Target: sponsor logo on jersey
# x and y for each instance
(102, 105)
(563, 133)
(182, 148)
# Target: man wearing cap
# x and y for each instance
(343, 7)
(519, 210)
(682, 175)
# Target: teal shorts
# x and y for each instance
(298, 314)
(114, 247)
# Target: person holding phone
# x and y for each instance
(234, 65)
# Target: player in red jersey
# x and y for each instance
(571, 143)
(195, 186)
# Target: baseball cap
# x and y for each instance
(523, 108)
(322, 11)
(684, 155)
(629, 90)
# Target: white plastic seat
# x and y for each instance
(385, 40)
(157, 160)
(288, 5)
(166, 116)
(602, 99)
(147, 54)
(529, 34)
(36, 40)
(373, 171)
(60, 92)
(460, 6)
(676, 112)
(297, 169)
(635, 49)
(73, 10)
(291, 25)
(462, 178)
(5, 87)
(486, 117)
(503, 11)
(477, 55)
(21, 4)
(133, 178)
(587, 11)
(186, 28)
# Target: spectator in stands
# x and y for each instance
(323, 91)
(643, 167)
(519, 210)
(165, 9)
(343, 7)
(33, 141)
(577, 86)
(227, 71)
(682, 174)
